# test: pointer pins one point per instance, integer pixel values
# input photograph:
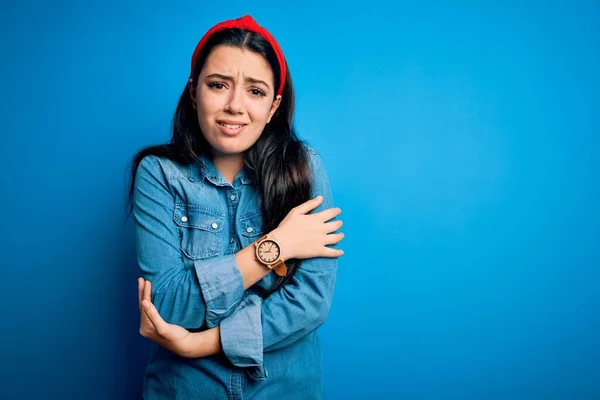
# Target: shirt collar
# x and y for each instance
(208, 171)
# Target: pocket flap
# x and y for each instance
(198, 217)
(251, 224)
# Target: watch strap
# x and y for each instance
(280, 268)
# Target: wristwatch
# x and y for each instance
(268, 253)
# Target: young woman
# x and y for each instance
(236, 233)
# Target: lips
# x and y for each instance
(231, 123)
(230, 127)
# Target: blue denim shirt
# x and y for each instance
(189, 223)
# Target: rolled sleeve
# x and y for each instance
(242, 338)
(222, 286)
(283, 318)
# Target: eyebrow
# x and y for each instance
(230, 78)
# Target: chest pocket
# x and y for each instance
(200, 230)
(251, 227)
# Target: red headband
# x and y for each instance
(248, 23)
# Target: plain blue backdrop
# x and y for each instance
(461, 143)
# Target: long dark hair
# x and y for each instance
(278, 160)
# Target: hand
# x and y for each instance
(303, 235)
(153, 327)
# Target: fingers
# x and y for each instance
(140, 289)
(152, 313)
(328, 214)
(334, 238)
(147, 291)
(147, 329)
(331, 253)
(308, 206)
(333, 226)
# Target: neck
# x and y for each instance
(229, 165)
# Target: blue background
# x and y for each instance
(461, 143)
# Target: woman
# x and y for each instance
(235, 232)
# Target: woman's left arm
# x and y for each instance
(258, 325)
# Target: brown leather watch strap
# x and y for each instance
(280, 268)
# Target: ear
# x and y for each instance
(192, 91)
(274, 107)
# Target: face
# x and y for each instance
(234, 98)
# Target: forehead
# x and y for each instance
(233, 61)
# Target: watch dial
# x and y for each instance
(268, 251)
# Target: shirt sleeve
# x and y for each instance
(288, 314)
(187, 297)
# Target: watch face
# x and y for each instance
(268, 251)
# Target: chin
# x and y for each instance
(231, 147)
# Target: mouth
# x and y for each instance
(230, 128)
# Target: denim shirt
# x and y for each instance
(189, 223)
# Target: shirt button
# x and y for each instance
(183, 219)
(231, 240)
(249, 229)
(232, 197)
(215, 225)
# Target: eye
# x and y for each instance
(257, 92)
(216, 85)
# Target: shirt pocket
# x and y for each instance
(251, 227)
(201, 230)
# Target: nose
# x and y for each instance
(235, 103)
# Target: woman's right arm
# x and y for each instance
(206, 293)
